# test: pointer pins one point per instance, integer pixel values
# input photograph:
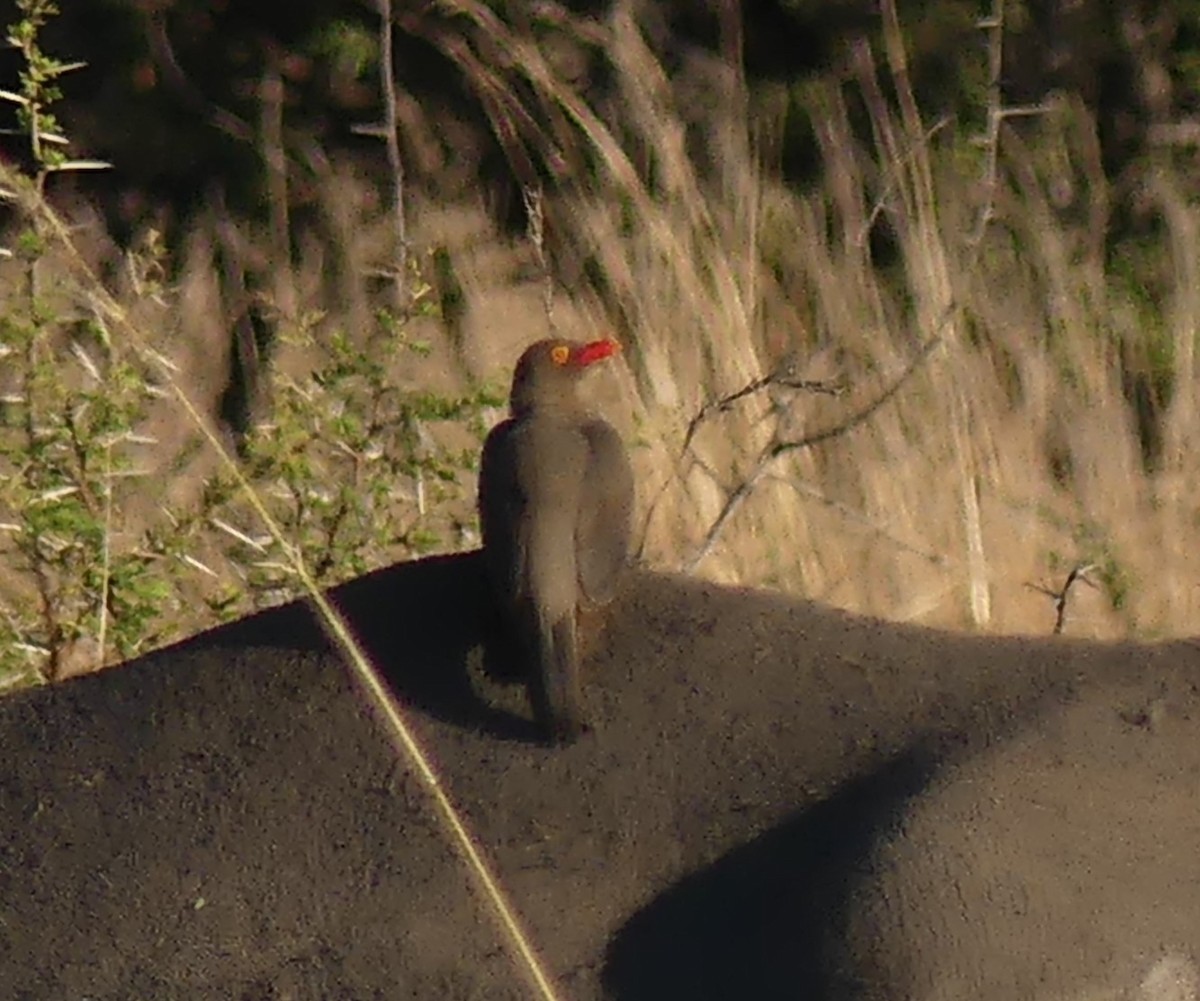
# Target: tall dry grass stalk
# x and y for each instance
(983, 440)
(1008, 456)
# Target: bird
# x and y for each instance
(556, 497)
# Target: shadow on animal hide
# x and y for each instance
(774, 794)
(756, 923)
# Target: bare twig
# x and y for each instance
(732, 503)
(781, 377)
(857, 517)
(780, 446)
(535, 229)
(760, 472)
(387, 81)
(901, 161)
(892, 182)
(1060, 596)
(993, 24)
(172, 74)
(271, 98)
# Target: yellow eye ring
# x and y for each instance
(560, 354)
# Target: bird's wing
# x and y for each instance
(500, 505)
(531, 479)
(604, 525)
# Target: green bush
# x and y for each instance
(93, 575)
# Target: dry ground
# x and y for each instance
(777, 800)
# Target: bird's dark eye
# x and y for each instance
(560, 354)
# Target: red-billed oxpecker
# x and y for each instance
(555, 503)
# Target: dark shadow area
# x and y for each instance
(765, 807)
(429, 668)
(757, 923)
(445, 591)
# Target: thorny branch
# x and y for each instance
(732, 503)
(779, 446)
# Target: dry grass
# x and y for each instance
(1009, 455)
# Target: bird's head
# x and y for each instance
(548, 373)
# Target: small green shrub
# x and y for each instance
(92, 576)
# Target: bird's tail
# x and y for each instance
(555, 687)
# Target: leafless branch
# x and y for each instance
(732, 503)
(535, 229)
(782, 377)
(863, 521)
(387, 80)
(997, 113)
(994, 26)
(779, 447)
(1060, 596)
(894, 173)
(163, 54)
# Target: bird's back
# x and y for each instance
(531, 488)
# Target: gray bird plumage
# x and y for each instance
(555, 503)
